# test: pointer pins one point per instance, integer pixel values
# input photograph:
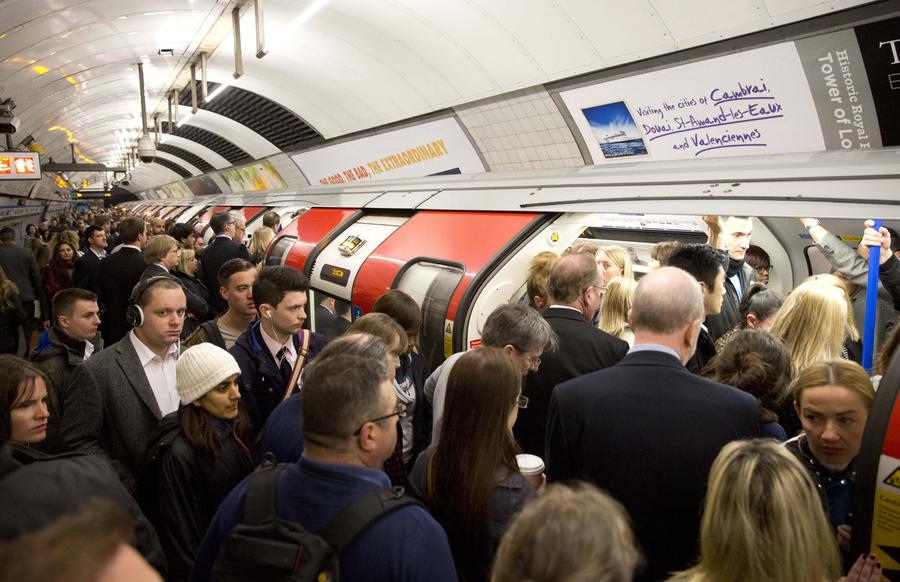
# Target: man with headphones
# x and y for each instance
(118, 396)
(273, 352)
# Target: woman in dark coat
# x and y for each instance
(198, 310)
(207, 456)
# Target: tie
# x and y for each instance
(285, 366)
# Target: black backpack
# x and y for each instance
(266, 548)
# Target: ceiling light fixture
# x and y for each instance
(159, 12)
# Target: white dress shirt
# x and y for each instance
(160, 374)
(274, 348)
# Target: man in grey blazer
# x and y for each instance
(118, 396)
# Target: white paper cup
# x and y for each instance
(532, 468)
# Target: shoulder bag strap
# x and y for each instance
(298, 365)
(261, 500)
(363, 512)
(213, 332)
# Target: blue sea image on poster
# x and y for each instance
(615, 130)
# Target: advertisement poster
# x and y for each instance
(879, 45)
(436, 147)
(754, 102)
(252, 177)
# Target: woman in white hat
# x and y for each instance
(200, 453)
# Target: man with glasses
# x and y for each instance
(350, 428)
(225, 246)
(575, 285)
(517, 329)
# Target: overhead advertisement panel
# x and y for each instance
(256, 176)
(804, 96)
(436, 147)
(20, 166)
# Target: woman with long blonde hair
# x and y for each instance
(813, 323)
(614, 310)
(614, 262)
(259, 242)
(763, 521)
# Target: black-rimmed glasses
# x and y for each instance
(534, 361)
(399, 413)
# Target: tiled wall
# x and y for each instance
(521, 131)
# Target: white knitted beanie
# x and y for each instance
(200, 369)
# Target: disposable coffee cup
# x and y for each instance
(532, 468)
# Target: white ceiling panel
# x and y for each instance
(179, 162)
(206, 154)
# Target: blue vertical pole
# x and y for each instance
(871, 304)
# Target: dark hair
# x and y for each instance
(271, 219)
(339, 395)
(761, 302)
(219, 221)
(7, 234)
(102, 219)
(17, 378)
(130, 229)
(180, 231)
(90, 231)
(888, 347)
(273, 283)
(570, 275)
(164, 282)
(230, 267)
(757, 256)
(27, 226)
(64, 301)
(199, 428)
(481, 391)
(401, 307)
(756, 362)
(76, 548)
(895, 240)
(341, 307)
(700, 260)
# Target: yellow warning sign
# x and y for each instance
(448, 338)
(893, 479)
(885, 526)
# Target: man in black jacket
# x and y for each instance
(87, 264)
(702, 262)
(731, 234)
(228, 229)
(574, 287)
(21, 268)
(116, 277)
(646, 430)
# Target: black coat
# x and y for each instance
(220, 250)
(704, 354)
(21, 268)
(198, 303)
(86, 271)
(647, 431)
(190, 488)
(582, 349)
(10, 322)
(36, 489)
(117, 275)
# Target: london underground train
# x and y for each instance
(461, 245)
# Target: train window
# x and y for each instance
(816, 261)
(431, 284)
(279, 250)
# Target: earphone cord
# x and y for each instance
(275, 333)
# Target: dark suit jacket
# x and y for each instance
(117, 275)
(109, 409)
(647, 431)
(704, 354)
(21, 268)
(86, 271)
(220, 250)
(582, 349)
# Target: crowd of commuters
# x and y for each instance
(179, 418)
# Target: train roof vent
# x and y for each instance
(172, 166)
(216, 143)
(272, 121)
(187, 156)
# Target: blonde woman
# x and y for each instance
(259, 242)
(538, 279)
(614, 309)
(763, 521)
(573, 532)
(614, 262)
(813, 323)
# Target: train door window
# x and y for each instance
(816, 261)
(431, 284)
(279, 250)
(286, 214)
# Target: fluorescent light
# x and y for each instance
(217, 91)
(159, 12)
(184, 120)
(296, 23)
(123, 17)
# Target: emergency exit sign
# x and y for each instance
(20, 166)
